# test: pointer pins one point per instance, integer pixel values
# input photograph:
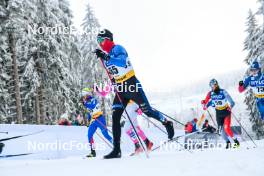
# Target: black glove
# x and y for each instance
(100, 54)
(241, 83)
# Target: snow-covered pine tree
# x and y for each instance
(57, 89)
(254, 46)
(46, 63)
(93, 72)
(5, 97)
(13, 27)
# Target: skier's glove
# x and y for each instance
(241, 83)
(204, 105)
(100, 54)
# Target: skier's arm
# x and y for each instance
(206, 102)
(91, 104)
(243, 85)
(120, 56)
(229, 98)
(89, 117)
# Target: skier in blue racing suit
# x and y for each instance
(117, 62)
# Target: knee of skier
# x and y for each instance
(116, 107)
(145, 108)
(105, 133)
(128, 132)
(226, 128)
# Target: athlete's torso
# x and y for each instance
(219, 100)
(118, 72)
(257, 85)
(93, 107)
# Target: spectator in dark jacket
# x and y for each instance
(208, 128)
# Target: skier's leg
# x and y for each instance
(141, 133)
(118, 109)
(91, 130)
(227, 126)
(139, 97)
(128, 127)
(132, 112)
(223, 134)
(220, 122)
(225, 137)
(103, 128)
(228, 130)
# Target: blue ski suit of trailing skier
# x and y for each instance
(96, 119)
(256, 82)
(118, 65)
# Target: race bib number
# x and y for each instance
(260, 89)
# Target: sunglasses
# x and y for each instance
(253, 70)
(100, 39)
(212, 85)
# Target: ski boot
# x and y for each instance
(149, 144)
(236, 144)
(228, 144)
(116, 152)
(169, 127)
(92, 154)
(138, 148)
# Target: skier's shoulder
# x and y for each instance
(117, 49)
(210, 93)
(222, 90)
(262, 76)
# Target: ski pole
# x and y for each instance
(169, 117)
(244, 129)
(14, 137)
(104, 140)
(119, 98)
(154, 124)
(105, 127)
(211, 117)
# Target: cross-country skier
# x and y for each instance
(223, 103)
(116, 60)
(95, 118)
(134, 111)
(256, 82)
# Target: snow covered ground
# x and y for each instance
(242, 161)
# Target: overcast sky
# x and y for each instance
(175, 42)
